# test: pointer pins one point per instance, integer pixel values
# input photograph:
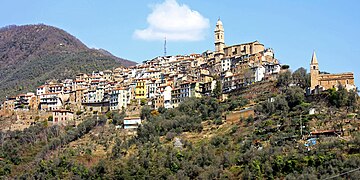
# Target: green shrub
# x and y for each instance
(78, 112)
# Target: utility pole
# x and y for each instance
(300, 126)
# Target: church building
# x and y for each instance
(240, 64)
(327, 81)
(223, 51)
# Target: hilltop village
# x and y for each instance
(163, 81)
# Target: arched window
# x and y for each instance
(314, 67)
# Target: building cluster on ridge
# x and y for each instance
(160, 82)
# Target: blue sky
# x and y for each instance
(292, 28)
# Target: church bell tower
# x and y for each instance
(219, 39)
(314, 71)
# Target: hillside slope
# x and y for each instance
(32, 54)
(202, 138)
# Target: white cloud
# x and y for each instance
(175, 22)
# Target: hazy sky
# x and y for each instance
(135, 30)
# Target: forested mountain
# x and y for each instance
(32, 54)
(124, 62)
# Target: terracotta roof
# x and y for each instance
(186, 82)
(51, 93)
(323, 131)
(119, 88)
(62, 110)
(131, 118)
(56, 85)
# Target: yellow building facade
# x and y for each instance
(140, 89)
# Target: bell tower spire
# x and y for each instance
(314, 59)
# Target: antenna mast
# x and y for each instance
(165, 47)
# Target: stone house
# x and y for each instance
(62, 117)
(132, 122)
